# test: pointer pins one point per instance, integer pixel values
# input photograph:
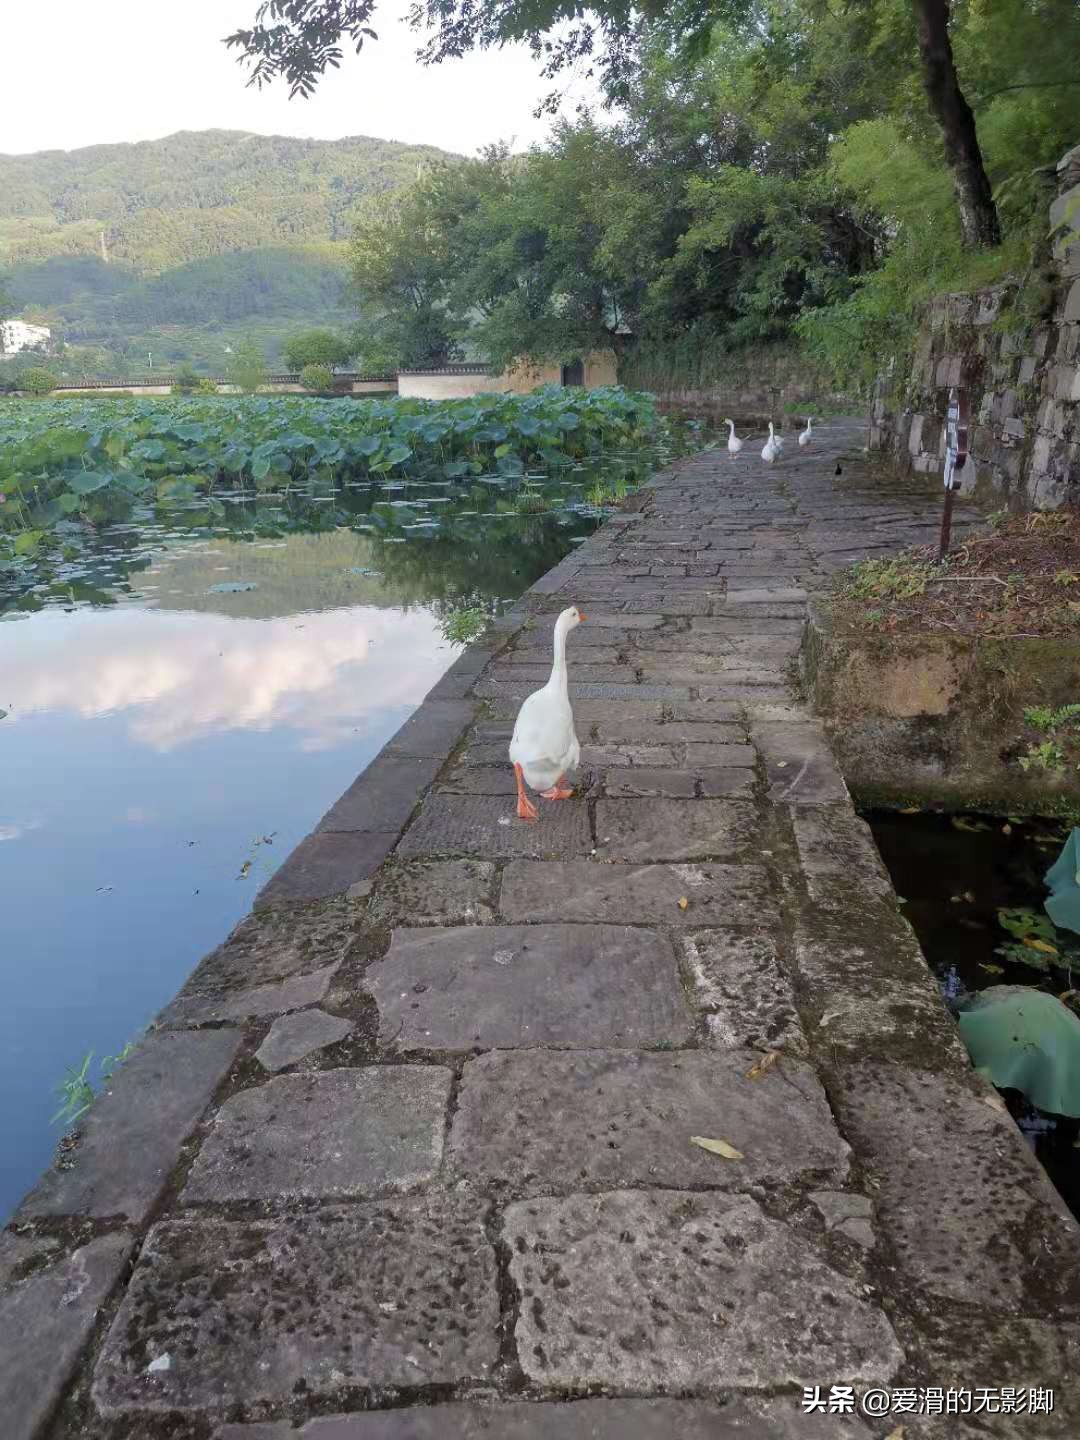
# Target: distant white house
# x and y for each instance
(17, 335)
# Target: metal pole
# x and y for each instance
(956, 450)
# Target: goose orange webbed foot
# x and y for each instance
(558, 791)
(526, 810)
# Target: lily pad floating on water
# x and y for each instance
(1024, 1039)
(231, 587)
(1063, 878)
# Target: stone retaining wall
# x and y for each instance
(1015, 347)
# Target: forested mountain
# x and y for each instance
(180, 245)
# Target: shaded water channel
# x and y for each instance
(186, 696)
(954, 875)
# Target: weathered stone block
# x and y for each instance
(384, 796)
(716, 893)
(642, 781)
(292, 1037)
(502, 985)
(540, 1121)
(838, 857)
(735, 1419)
(436, 892)
(739, 980)
(473, 825)
(710, 755)
(799, 763)
(675, 1290)
(278, 944)
(132, 1134)
(969, 1210)
(326, 864)
(327, 1135)
(434, 729)
(674, 829)
(395, 1293)
(45, 1320)
(291, 994)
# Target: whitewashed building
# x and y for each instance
(17, 335)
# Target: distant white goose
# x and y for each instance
(734, 444)
(805, 436)
(773, 447)
(544, 747)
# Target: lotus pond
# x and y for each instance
(196, 662)
(973, 889)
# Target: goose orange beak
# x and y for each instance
(581, 615)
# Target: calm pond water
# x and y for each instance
(955, 874)
(185, 698)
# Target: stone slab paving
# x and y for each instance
(643, 1290)
(293, 1037)
(471, 1205)
(398, 1294)
(510, 985)
(300, 1136)
(153, 1101)
(45, 1321)
(549, 1122)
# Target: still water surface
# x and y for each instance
(184, 701)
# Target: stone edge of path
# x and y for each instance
(839, 920)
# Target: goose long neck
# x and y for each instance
(770, 430)
(558, 668)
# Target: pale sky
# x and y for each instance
(77, 74)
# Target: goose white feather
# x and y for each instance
(805, 436)
(773, 447)
(734, 444)
(544, 746)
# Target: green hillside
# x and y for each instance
(182, 245)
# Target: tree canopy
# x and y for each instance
(785, 174)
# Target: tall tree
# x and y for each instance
(299, 40)
(974, 198)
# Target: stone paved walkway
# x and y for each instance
(410, 1156)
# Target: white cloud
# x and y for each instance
(178, 676)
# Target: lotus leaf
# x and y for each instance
(1063, 878)
(1024, 1039)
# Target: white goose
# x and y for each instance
(773, 447)
(805, 436)
(544, 745)
(734, 444)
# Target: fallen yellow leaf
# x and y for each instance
(781, 764)
(765, 1063)
(1043, 945)
(910, 810)
(684, 903)
(897, 1434)
(991, 969)
(716, 1147)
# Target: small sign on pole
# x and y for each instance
(956, 453)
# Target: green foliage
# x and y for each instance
(316, 347)
(185, 382)
(1061, 725)
(76, 1092)
(247, 367)
(317, 377)
(464, 625)
(895, 579)
(37, 380)
(207, 235)
(76, 1089)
